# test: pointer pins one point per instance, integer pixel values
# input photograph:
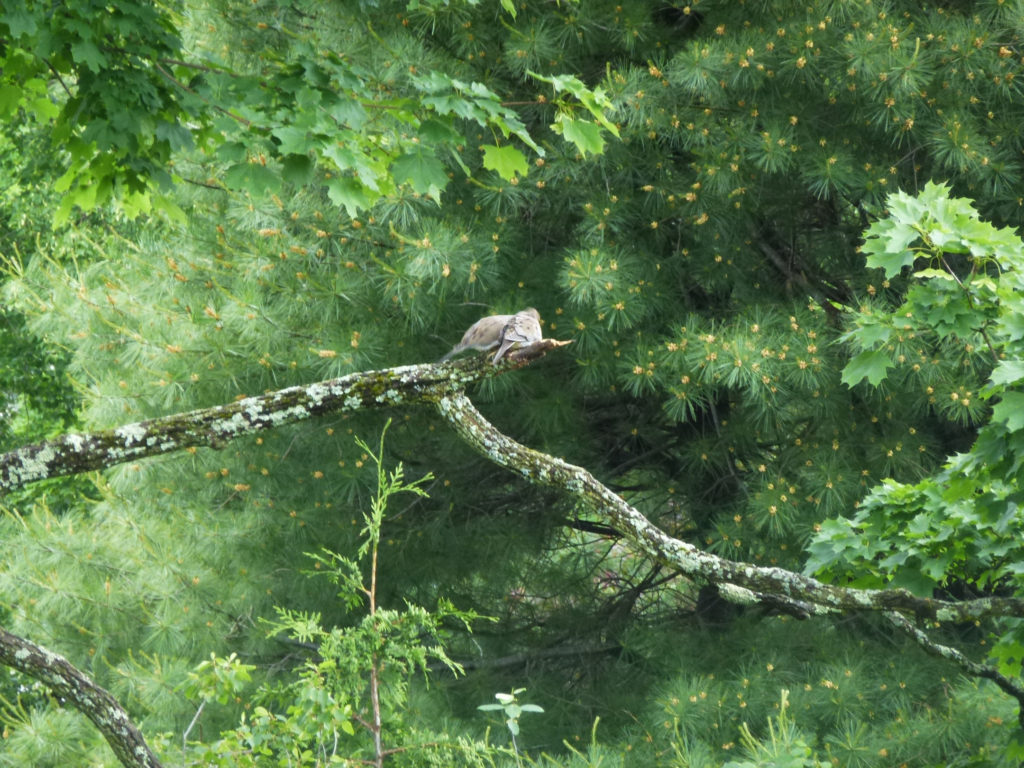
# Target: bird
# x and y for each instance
(505, 330)
(523, 328)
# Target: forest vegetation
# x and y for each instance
(755, 500)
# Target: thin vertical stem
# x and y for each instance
(378, 746)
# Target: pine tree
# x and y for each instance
(347, 205)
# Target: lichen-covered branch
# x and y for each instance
(70, 684)
(969, 667)
(442, 385)
(76, 453)
(801, 592)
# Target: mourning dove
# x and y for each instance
(506, 330)
(523, 328)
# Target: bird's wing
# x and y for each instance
(521, 329)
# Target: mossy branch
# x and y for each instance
(443, 385)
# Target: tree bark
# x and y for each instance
(67, 682)
(74, 454)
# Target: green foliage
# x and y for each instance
(38, 401)
(352, 693)
(35, 737)
(364, 181)
(99, 59)
(509, 705)
(784, 747)
(218, 679)
(957, 526)
(960, 526)
(36, 398)
(364, 131)
(855, 699)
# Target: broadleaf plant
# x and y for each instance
(960, 527)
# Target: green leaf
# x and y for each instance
(170, 208)
(293, 139)
(510, 7)
(297, 169)
(940, 274)
(18, 19)
(86, 52)
(349, 112)
(886, 245)
(350, 193)
(507, 161)
(1008, 372)
(368, 166)
(871, 331)
(869, 364)
(254, 178)
(1010, 411)
(422, 171)
(178, 136)
(10, 98)
(915, 581)
(43, 108)
(584, 134)
(595, 101)
(436, 131)
(232, 152)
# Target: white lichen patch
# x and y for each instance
(318, 393)
(286, 416)
(237, 423)
(389, 396)
(33, 465)
(130, 434)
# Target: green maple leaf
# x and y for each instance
(254, 178)
(422, 171)
(350, 193)
(870, 364)
(1010, 411)
(507, 161)
(584, 134)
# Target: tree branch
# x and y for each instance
(969, 667)
(92, 701)
(442, 384)
(73, 454)
(802, 594)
